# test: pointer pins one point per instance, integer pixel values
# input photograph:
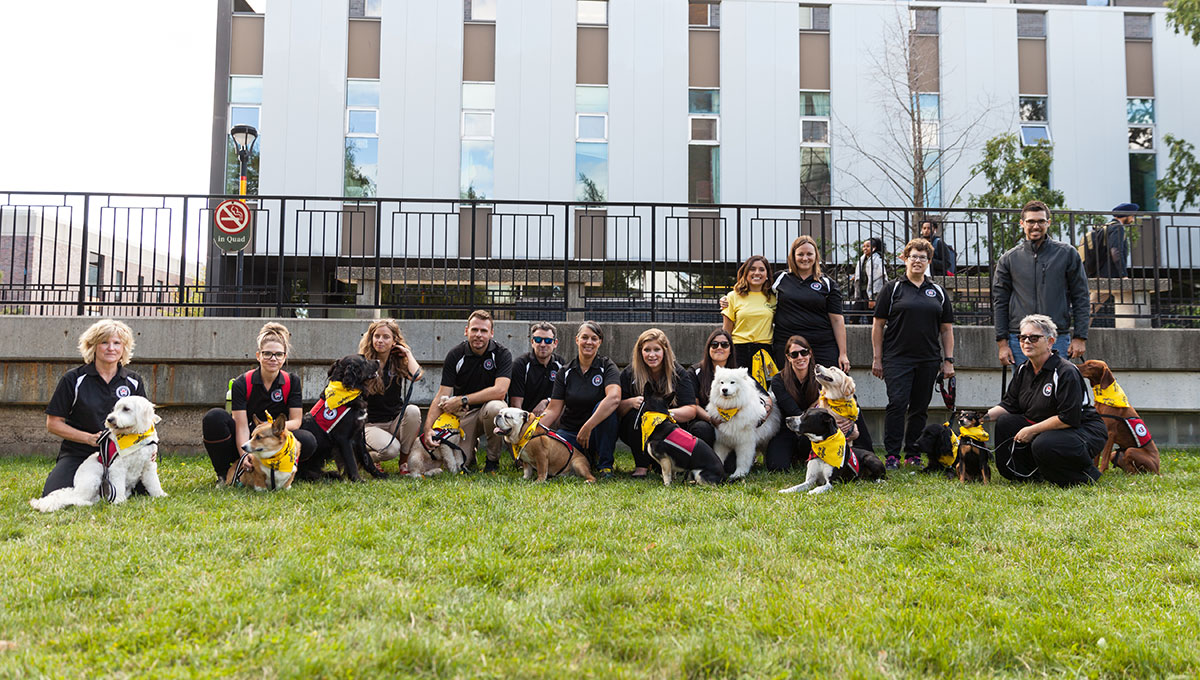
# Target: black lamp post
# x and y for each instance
(243, 137)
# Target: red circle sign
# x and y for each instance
(232, 216)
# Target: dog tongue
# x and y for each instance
(497, 431)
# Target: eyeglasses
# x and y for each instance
(1032, 338)
(919, 258)
(1037, 223)
(719, 344)
(542, 341)
(277, 356)
(796, 354)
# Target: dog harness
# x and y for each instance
(529, 435)
(445, 427)
(833, 451)
(333, 405)
(111, 447)
(284, 460)
(1114, 396)
(846, 408)
(679, 438)
(763, 368)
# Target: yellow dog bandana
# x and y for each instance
(846, 408)
(977, 433)
(948, 459)
(128, 441)
(526, 436)
(727, 414)
(448, 424)
(336, 395)
(652, 420)
(832, 450)
(763, 368)
(284, 459)
(1112, 395)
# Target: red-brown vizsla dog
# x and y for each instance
(1136, 451)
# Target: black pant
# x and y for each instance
(784, 451)
(218, 427)
(909, 389)
(1062, 457)
(632, 436)
(744, 353)
(63, 475)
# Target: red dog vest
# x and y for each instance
(1141, 433)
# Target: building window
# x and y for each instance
(479, 10)
(1035, 135)
(815, 176)
(591, 143)
(1142, 180)
(592, 12)
(362, 138)
(1031, 24)
(1138, 27)
(478, 140)
(1033, 109)
(704, 15)
(118, 284)
(360, 9)
(245, 108)
(704, 152)
(814, 19)
(95, 275)
(1140, 115)
(925, 21)
(250, 6)
(704, 101)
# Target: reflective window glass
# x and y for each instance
(591, 172)
(361, 122)
(929, 134)
(592, 12)
(704, 174)
(481, 10)
(362, 166)
(479, 96)
(1033, 109)
(930, 106)
(589, 99)
(245, 90)
(1141, 139)
(592, 127)
(814, 132)
(243, 115)
(1032, 135)
(250, 6)
(365, 8)
(815, 177)
(1142, 178)
(814, 103)
(704, 130)
(1140, 110)
(814, 18)
(476, 179)
(933, 180)
(697, 14)
(477, 124)
(704, 101)
(362, 93)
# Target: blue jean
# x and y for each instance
(602, 443)
(1061, 343)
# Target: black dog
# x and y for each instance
(677, 449)
(937, 443)
(819, 425)
(974, 458)
(338, 417)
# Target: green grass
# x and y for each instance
(491, 576)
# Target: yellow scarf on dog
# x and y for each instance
(1112, 395)
(832, 450)
(336, 395)
(846, 408)
(284, 459)
(762, 368)
(727, 413)
(128, 441)
(977, 433)
(652, 420)
(525, 437)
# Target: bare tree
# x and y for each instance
(917, 146)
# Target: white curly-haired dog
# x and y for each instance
(744, 417)
(131, 445)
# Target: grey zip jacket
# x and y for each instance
(1045, 280)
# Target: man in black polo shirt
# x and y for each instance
(535, 371)
(475, 378)
(912, 339)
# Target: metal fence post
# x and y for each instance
(183, 256)
(280, 259)
(474, 225)
(378, 247)
(83, 263)
(653, 257)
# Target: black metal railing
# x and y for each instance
(153, 255)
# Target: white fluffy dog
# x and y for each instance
(740, 413)
(131, 433)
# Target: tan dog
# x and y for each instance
(1124, 425)
(269, 461)
(540, 451)
(837, 395)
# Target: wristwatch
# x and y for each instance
(948, 360)
(465, 403)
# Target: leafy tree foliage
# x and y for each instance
(1181, 184)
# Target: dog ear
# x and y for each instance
(947, 445)
(333, 372)
(1106, 377)
(279, 424)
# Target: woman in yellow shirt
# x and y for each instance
(750, 316)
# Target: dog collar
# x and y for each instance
(526, 436)
(846, 408)
(1112, 395)
(832, 450)
(284, 460)
(653, 419)
(977, 433)
(337, 395)
(727, 413)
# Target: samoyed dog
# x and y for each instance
(745, 418)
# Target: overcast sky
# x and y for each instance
(101, 95)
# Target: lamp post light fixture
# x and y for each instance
(243, 137)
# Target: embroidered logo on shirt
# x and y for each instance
(123, 391)
(488, 364)
(814, 285)
(553, 376)
(597, 379)
(277, 395)
(1047, 389)
(929, 292)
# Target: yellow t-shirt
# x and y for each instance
(752, 317)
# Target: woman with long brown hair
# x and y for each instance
(393, 423)
(796, 390)
(750, 316)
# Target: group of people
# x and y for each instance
(793, 320)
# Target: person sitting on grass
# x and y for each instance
(584, 402)
(392, 422)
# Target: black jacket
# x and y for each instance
(1048, 280)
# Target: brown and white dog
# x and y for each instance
(837, 395)
(269, 461)
(1136, 451)
(542, 452)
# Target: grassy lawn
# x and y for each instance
(490, 576)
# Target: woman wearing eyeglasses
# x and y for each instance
(1046, 427)
(912, 340)
(796, 390)
(226, 431)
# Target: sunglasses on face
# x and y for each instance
(273, 355)
(1032, 338)
(797, 353)
(718, 344)
(542, 341)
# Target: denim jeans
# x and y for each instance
(602, 443)
(1061, 343)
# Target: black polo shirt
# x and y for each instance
(581, 392)
(263, 402)
(684, 394)
(803, 307)
(469, 373)
(383, 408)
(1056, 390)
(914, 316)
(532, 381)
(83, 399)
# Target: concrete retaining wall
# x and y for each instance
(188, 361)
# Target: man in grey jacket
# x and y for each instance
(1040, 276)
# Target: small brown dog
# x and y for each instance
(973, 463)
(269, 461)
(539, 450)
(1136, 451)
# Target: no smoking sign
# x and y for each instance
(231, 225)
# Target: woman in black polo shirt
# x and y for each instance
(584, 402)
(226, 431)
(86, 394)
(652, 371)
(1046, 426)
(718, 352)
(912, 339)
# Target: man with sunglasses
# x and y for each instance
(535, 371)
(1040, 276)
